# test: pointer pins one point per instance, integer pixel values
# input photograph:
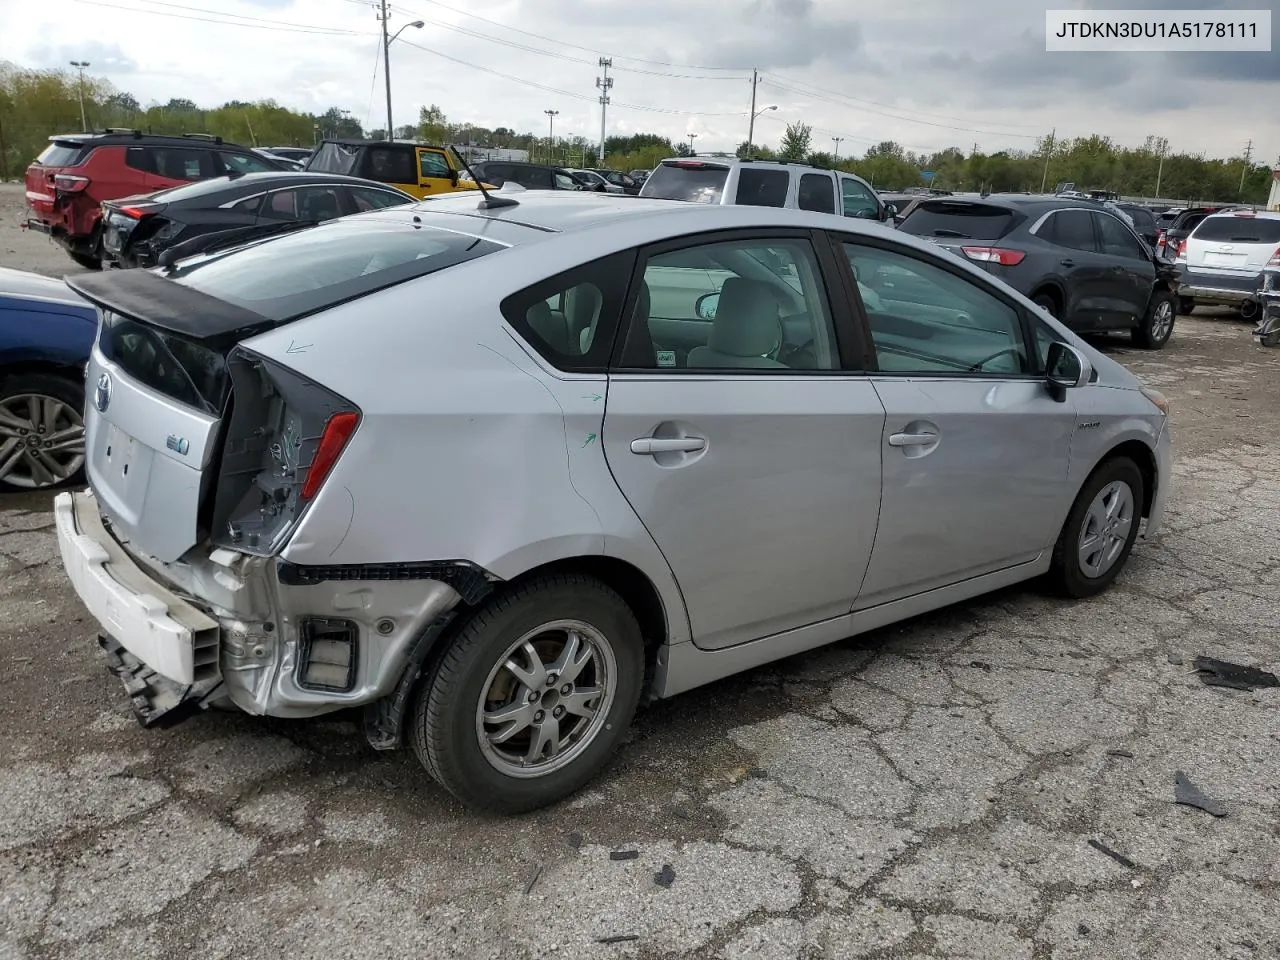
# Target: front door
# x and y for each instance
(1130, 273)
(975, 450)
(434, 173)
(750, 457)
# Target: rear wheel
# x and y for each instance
(41, 432)
(1100, 530)
(86, 261)
(1049, 302)
(533, 695)
(1157, 326)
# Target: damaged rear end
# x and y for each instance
(203, 456)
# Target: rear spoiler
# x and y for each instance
(167, 305)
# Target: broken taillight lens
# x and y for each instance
(69, 183)
(332, 442)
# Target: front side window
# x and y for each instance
(1117, 239)
(366, 198)
(754, 304)
(565, 182)
(433, 164)
(927, 320)
(1072, 229)
(391, 165)
(243, 163)
(858, 200)
(571, 319)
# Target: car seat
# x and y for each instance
(747, 327)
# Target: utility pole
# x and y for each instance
(386, 60)
(551, 131)
(1248, 155)
(1164, 148)
(751, 127)
(80, 65)
(605, 84)
(1048, 152)
(692, 136)
(836, 156)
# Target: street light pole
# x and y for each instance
(386, 61)
(551, 131)
(837, 143)
(80, 65)
(692, 136)
(751, 130)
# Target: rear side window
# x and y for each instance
(137, 158)
(966, 221)
(533, 178)
(179, 163)
(687, 180)
(1238, 230)
(1188, 221)
(762, 188)
(817, 193)
(391, 165)
(571, 319)
(61, 155)
(493, 173)
(318, 267)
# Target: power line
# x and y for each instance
(277, 25)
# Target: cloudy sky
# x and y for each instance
(926, 73)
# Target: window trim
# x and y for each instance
(1024, 317)
(849, 347)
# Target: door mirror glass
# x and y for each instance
(1066, 367)
(706, 306)
(890, 210)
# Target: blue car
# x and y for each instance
(46, 333)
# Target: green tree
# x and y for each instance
(796, 141)
(433, 126)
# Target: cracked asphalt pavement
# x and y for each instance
(926, 791)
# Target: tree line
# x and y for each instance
(35, 104)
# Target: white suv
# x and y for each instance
(765, 183)
(1223, 258)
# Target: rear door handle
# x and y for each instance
(912, 439)
(651, 445)
(1068, 263)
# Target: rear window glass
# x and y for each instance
(1239, 230)
(60, 155)
(178, 368)
(700, 184)
(967, 221)
(762, 188)
(318, 267)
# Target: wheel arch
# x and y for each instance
(1144, 458)
(1055, 291)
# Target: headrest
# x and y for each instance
(748, 319)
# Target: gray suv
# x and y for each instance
(765, 183)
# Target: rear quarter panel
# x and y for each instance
(42, 333)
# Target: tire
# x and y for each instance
(447, 729)
(1068, 575)
(86, 261)
(21, 474)
(1048, 302)
(1157, 326)
(1185, 306)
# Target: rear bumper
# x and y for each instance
(1211, 287)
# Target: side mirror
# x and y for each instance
(1066, 368)
(890, 211)
(453, 177)
(706, 306)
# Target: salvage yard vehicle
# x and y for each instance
(417, 169)
(302, 496)
(1223, 259)
(137, 230)
(71, 179)
(46, 332)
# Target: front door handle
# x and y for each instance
(912, 439)
(1068, 262)
(651, 445)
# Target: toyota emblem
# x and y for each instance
(102, 394)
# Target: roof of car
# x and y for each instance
(139, 136)
(1020, 201)
(33, 286)
(1246, 213)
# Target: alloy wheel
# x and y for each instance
(1106, 528)
(41, 441)
(1162, 321)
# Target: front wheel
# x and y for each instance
(1157, 326)
(533, 695)
(1100, 530)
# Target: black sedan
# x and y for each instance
(192, 217)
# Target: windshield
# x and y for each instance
(298, 273)
(697, 182)
(1239, 230)
(966, 221)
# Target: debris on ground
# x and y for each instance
(1119, 858)
(1120, 753)
(537, 872)
(1220, 673)
(620, 938)
(1189, 795)
(574, 839)
(666, 876)
(623, 854)
(1083, 930)
(980, 665)
(1174, 659)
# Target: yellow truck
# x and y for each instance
(416, 168)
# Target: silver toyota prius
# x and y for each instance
(498, 471)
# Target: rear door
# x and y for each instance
(975, 451)
(758, 478)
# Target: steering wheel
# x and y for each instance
(1012, 351)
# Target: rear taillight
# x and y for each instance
(1006, 258)
(1181, 251)
(136, 212)
(1275, 259)
(69, 183)
(337, 431)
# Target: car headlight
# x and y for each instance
(1158, 398)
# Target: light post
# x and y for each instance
(836, 156)
(551, 131)
(751, 130)
(386, 61)
(692, 137)
(80, 65)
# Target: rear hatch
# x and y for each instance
(54, 171)
(698, 181)
(189, 435)
(1233, 245)
(969, 228)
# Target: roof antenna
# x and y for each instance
(488, 203)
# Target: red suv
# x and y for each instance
(76, 173)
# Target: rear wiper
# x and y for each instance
(209, 242)
(952, 233)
